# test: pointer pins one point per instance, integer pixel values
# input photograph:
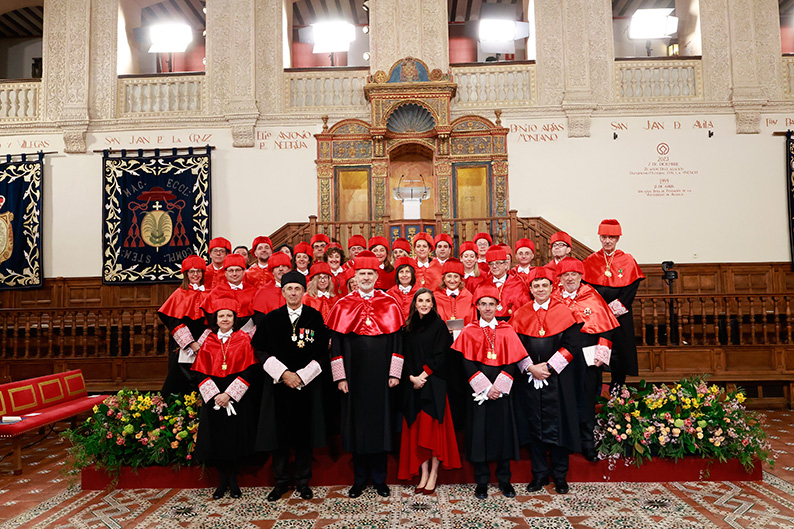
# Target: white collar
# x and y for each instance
(236, 287)
(216, 268)
(491, 324)
(455, 292)
(337, 271)
(304, 272)
(442, 262)
(481, 259)
(223, 336)
(194, 286)
(500, 280)
(382, 266)
(544, 306)
(323, 295)
(278, 284)
(423, 265)
(566, 294)
(367, 295)
(405, 289)
(468, 275)
(523, 270)
(296, 312)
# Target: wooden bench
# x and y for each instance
(42, 401)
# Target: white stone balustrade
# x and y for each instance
(326, 89)
(19, 101)
(487, 85)
(659, 81)
(161, 95)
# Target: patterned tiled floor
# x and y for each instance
(42, 498)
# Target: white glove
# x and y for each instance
(229, 409)
(540, 383)
(479, 398)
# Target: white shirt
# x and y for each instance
(194, 286)
(294, 314)
(469, 274)
(544, 306)
(323, 295)
(453, 292)
(423, 265)
(500, 281)
(223, 336)
(566, 294)
(236, 287)
(405, 289)
(304, 272)
(491, 324)
(523, 270)
(366, 295)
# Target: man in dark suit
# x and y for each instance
(292, 343)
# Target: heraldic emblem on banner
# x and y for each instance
(157, 212)
(20, 222)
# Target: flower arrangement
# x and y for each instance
(687, 418)
(136, 429)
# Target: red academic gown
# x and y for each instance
(212, 277)
(520, 275)
(621, 285)
(385, 280)
(428, 430)
(491, 433)
(267, 298)
(182, 315)
(461, 307)
(257, 276)
(320, 303)
(429, 277)
(243, 297)
(366, 349)
(223, 437)
(513, 295)
(473, 282)
(548, 415)
(403, 299)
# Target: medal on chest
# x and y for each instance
(224, 366)
(490, 339)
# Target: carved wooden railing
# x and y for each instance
(70, 333)
(19, 100)
(663, 80)
(161, 95)
(503, 84)
(312, 89)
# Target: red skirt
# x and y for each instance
(427, 438)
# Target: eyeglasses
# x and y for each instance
(559, 245)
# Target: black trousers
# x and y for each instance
(303, 466)
(365, 465)
(590, 392)
(540, 466)
(482, 472)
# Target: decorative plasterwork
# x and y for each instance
(401, 28)
(549, 43)
(104, 45)
(716, 55)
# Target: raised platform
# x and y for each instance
(329, 471)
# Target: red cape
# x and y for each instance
(324, 305)
(268, 298)
(403, 299)
(239, 355)
(385, 279)
(352, 314)
(513, 295)
(223, 290)
(473, 345)
(257, 277)
(429, 277)
(624, 268)
(184, 303)
(212, 277)
(589, 308)
(460, 307)
(557, 319)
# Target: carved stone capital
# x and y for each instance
(748, 117)
(74, 140)
(578, 107)
(242, 119)
(242, 134)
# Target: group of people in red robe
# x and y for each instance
(403, 341)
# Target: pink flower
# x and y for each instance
(625, 393)
(120, 441)
(745, 442)
(189, 456)
(110, 435)
(110, 413)
(145, 441)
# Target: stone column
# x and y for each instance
(104, 57)
(403, 28)
(66, 44)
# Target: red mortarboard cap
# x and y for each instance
(356, 240)
(443, 237)
(333, 245)
(483, 235)
(495, 253)
(224, 304)
(486, 291)
(525, 243)
(404, 261)
(570, 264)
(259, 240)
(506, 247)
(561, 236)
(220, 242)
(193, 261)
(401, 244)
(378, 240)
(610, 227)
(320, 268)
(302, 247)
(320, 237)
(424, 236)
(541, 272)
(234, 259)
(278, 259)
(366, 260)
(452, 266)
(468, 246)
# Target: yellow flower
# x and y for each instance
(716, 443)
(96, 409)
(175, 444)
(676, 432)
(636, 413)
(740, 397)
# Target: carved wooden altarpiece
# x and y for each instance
(411, 113)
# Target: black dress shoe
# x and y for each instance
(561, 486)
(481, 491)
(305, 492)
(590, 453)
(382, 490)
(355, 491)
(235, 492)
(277, 492)
(219, 492)
(507, 489)
(537, 484)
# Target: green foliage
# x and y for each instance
(687, 418)
(136, 429)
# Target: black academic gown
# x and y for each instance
(292, 418)
(624, 341)
(427, 344)
(368, 409)
(549, 415)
